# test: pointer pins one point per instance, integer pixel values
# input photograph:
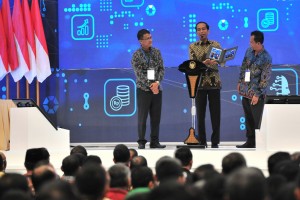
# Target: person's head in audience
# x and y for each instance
(287, 168)
(246, 184)
(121, 154)
(93, 159)
(133, 153)
(138, 161)
(92, 182)
(13, 181)
(34, 155)
(146, 181)
(233, 161)
(4, 162)
(120, 176)
(184, 154)
(42, 173)
(16, 195)
(203, 172)
(213, 188)
(57, 190)
(274, 183)
(168, 168)
(276, 158)
(82, 158)
(79, 149)
(70, 166)
(172, 190)
(287, 192)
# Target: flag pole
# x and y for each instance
(37, 92)
(7, 86)
(27, 90)
(18, 89)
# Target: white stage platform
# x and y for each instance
(254, 157)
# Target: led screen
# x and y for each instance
(102, 33)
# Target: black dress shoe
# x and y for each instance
(204, 144)
(246, 145)
(141, 146)
(214, 146)
(157, 145)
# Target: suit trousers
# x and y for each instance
(148, 103)
(214, 98)
(253, 115)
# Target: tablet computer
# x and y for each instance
(221, 55)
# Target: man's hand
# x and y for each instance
(154, 87)
(254, 100)
(210, 62)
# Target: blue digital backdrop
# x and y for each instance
(102, 33)
(91, 90)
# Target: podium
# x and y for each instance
(279, 129)
(193, 70)
(29, 128)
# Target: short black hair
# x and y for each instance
(184, 154)
(141, 33)
(34, 155)
(258, 36)
(138, 172)
(201, 22)
(121, 153)
(79, 149)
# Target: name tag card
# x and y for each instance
(247, 75)
(150, 74)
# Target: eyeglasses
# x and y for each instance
(148, 38)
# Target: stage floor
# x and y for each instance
(254, 157)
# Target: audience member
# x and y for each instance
(133, 153)
(121, 154)
(203, 171)
(276, 158)
(92, 182)
(70, 166)
(120, 181)
(287, 192)
(13, 181)
(274, 183)
(32, 157)
(142, 181)
(167, 169)
(3, 166)
(233, 161)
(93, 159)
(42, 173)
(213, 188)
(138, 161)
(16, 195)
(79, 149)
(287, 168)
(184, 154)
(57, 190)
(246, 184)
(172, 190)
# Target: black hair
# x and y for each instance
(201, 22)
(258, 36)
(141, 33)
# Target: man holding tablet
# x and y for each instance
(209, 87)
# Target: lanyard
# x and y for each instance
(146, 57)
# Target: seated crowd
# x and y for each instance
(85, 177)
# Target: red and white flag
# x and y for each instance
(21, 42)
(8, 29)
(3, 52)
(30, 41)
(42, 56)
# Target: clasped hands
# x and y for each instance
(154, 87)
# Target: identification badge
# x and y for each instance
(150, 74)
(247, 75)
